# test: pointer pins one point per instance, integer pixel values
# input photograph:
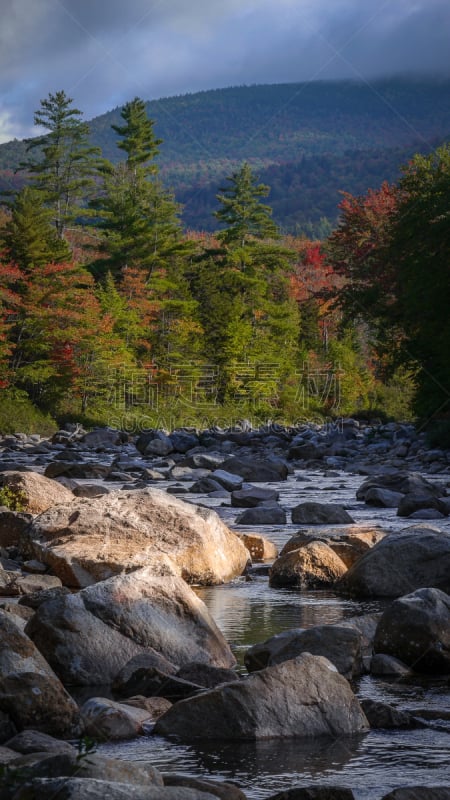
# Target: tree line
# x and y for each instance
(108, 308)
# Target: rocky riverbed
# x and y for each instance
(318, 558)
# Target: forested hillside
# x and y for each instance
(111, 312)
(308, 141)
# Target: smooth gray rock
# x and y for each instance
(382, 664)
(253, 496)
(382, 498)
(314, 793)
(382, 715)
(257, 470)
(320, 514)
(221, 789)
(31, 741)
(122, 617)
(92, 789)
(262, 515)
(416, 630)
(416, 557)
(403, 482)
(301, 698)
(339, 644)
(419, 793)
(30, 692)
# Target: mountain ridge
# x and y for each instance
(282, 130)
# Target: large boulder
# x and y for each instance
(419, 793)
(35, 492)
(402, 482)
(90, 540)
(413, 558)
(348, 543)
(320, 514)
(314, 793)
(313, 566)
(253, 496)
(416, 630)
(106, 719)
(257, 470)
(302, 698)
(95, 789)
(12, 526)
(340, 644)
(30, 692)
(150, 609)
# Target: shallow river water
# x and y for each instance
(248, 611)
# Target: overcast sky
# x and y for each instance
(105, 52)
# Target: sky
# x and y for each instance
(105, 52)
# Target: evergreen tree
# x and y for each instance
(29, 236)
(138, 138)
(246, 307)
(138, 216)
(242, 212)
(66, 163)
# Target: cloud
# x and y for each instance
(103, 54)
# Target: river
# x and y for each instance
(248, 611)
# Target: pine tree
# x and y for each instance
(246, 308)
(29, 236)
(138, 138)
(138, 216)
(66, 163)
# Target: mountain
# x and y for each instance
(307, 140)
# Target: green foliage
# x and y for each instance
(13, 498)
(29, 236)
(66, 164)
(138, 138)
(17, 413)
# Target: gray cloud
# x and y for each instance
(104, 54)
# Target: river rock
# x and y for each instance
(152, 682)
(253, 496)
(91, 540)
(206, 675)
(36, 492)
(382, 664)
(12, 525)
(225, 791)
(310, 567)
(419, 793)
(412, 503)
(320, 514)
(416, 630)
(340, 645)
(348, 543)
(260, 548)
(31, 741)
(302, 698)
(89, 765)
(123, 617)
(402, 482)
(382, 715)
(102, 437)
(106, 719)
(30, 692)
(15, 584)
(257, 470)
(263, 515)
(93, 789)
(154, 705)
(382, 498)
(228, 480)
(146, 660)
(415, 557)
(314, 793)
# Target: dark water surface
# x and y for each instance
(248, 611)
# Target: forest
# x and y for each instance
(112, 313)
(307, 141)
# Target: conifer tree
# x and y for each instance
(138, 216)
(66, 163)
(29, 236)
(246, 308)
